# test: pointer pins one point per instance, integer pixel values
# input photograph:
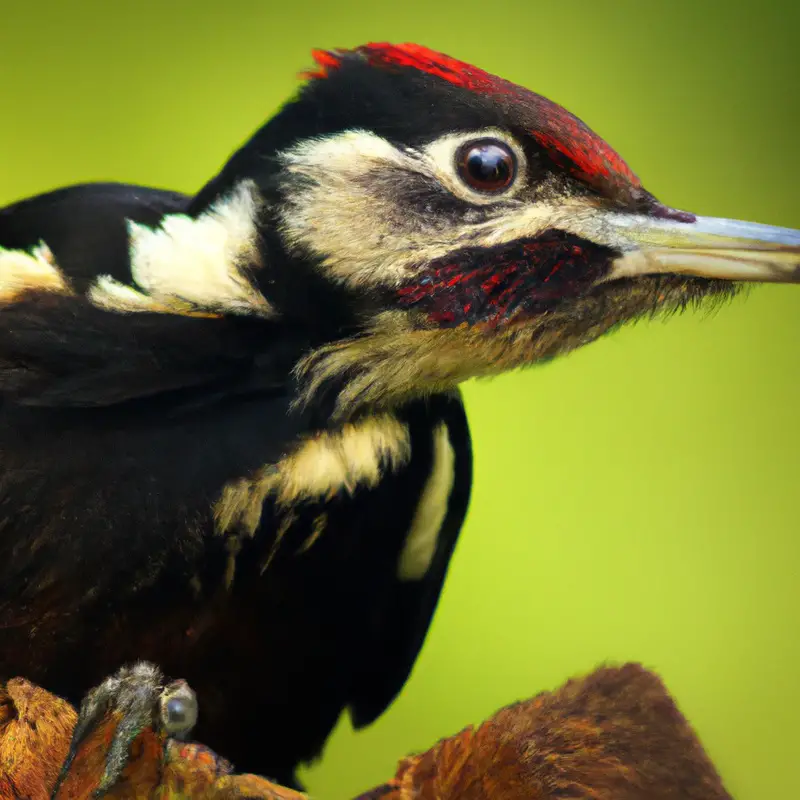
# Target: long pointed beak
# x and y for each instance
(707, 247)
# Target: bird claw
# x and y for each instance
(138, 696)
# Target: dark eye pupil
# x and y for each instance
(487, 166)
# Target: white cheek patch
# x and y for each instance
(36, 270)
(192, 265)
(344, 205)
(339, 205)
(576, 215)
(423, 535)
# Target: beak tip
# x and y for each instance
(671, 241)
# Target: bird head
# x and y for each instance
(433, 223)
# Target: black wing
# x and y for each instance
(401, 618)
(351, 648)
(58, 350)
(85, 226)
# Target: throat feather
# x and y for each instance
(490, 285)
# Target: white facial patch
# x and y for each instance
(335, 209)
(420, 545)
(345, 205)
(189, 265)
(36, 270)
(579, 216)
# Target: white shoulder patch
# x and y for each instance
(36, 270)
(356, 455)
(426, 524)
(189, 265)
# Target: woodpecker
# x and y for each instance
(233, 441)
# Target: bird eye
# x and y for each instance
(487, 166)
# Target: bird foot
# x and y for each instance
(137, 697)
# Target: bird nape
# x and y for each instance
(232, 438)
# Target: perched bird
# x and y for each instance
(232, 438)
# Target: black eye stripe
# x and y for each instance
(486, 165)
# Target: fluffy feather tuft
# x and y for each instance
(193, 265)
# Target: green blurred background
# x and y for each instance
(637, 500)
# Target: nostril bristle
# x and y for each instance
(665, 212)
(649, 205)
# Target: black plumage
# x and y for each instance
(107, 546)
(232, 437)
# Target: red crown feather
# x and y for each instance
(568, 140)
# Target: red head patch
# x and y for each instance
(569, 142)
